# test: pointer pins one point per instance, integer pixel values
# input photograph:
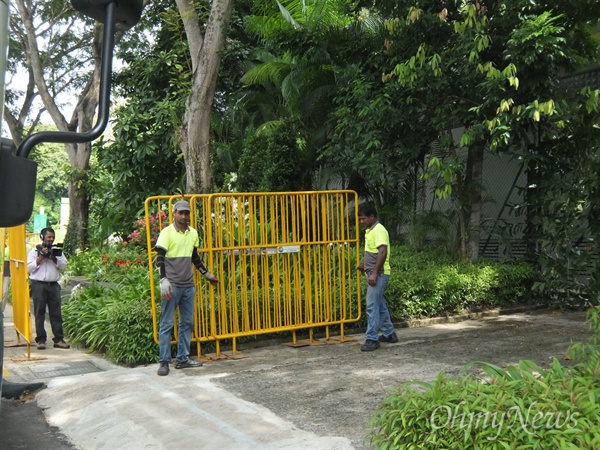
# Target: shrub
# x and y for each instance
(116, 319)
(85, 316)
(114, 314)
(430, 283)
(139, 236)
(109, 264)
(85, 263)
(132, 341)
(519, 407)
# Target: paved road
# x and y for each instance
(273, 397)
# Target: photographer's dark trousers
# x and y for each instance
(47, 294)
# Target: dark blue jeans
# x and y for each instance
(182, 298)
(47, 295)
(378, 316)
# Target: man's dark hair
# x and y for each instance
(46, 230)
(367, 209)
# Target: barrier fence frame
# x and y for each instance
(19, 277)
(286, 261)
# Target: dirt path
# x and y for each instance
(334, 389)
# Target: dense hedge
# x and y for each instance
(430, 283)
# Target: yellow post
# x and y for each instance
(2, 245)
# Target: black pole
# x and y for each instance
(108, 44)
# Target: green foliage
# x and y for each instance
(274, 163)
(113, 315)
(434, 229)
(525, 106)
(109, 264)
(430, 283)
(52, 180)
(563, 198)
(85, 263)
(131, 326)
(86, 318)
(377, 148)
(116, 319)
(521, 406)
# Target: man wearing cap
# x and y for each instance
(177, 250)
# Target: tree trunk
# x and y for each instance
(79, 206)
(194, 140)
(462, 195)
(475, 174)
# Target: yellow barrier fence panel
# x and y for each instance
(18, 280)
(204, 310)
(3, 243)
(286, 261)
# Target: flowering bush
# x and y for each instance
(124, 257)
(138, 236)
(121, 259)
(108, 264)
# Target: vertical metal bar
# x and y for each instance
(266, 285)
(4, 16)
(108, 44)
(18, 277)
(150, 263)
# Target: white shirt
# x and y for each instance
(47, 271)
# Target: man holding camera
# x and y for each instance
(44, 264)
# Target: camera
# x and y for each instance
(52, 251)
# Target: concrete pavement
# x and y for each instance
(99, 405)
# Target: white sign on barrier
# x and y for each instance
(265, 250)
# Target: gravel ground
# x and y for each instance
(335, 389)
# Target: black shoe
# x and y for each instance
(369, 346)
(187, 364)
(392, 338)
(41, 345)
(163, 370)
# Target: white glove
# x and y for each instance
(165, 289)
(210, 277)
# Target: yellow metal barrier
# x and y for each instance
(3, 242)
(286, 261)
(20, 286)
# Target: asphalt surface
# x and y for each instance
(272, 397)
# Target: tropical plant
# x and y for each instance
(522, 406)
(116, 320)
